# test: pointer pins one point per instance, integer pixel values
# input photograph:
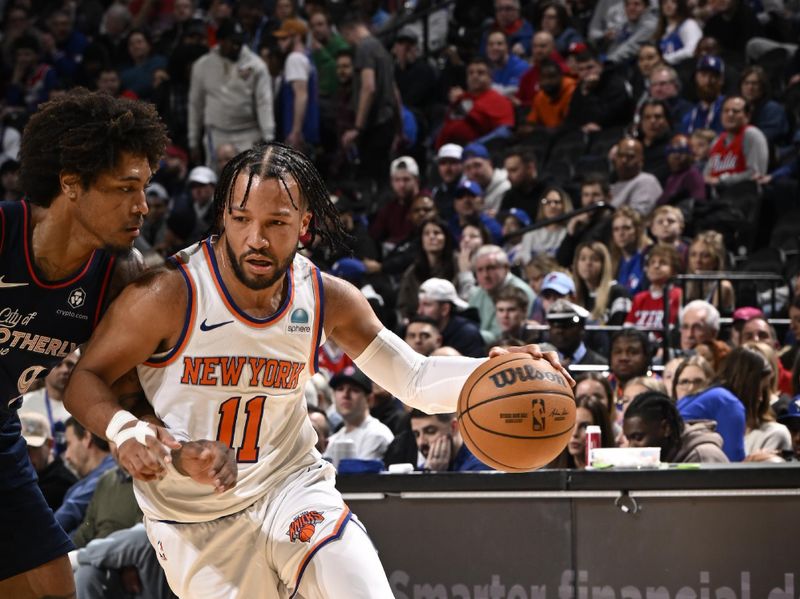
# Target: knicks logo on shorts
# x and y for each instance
(303, 526)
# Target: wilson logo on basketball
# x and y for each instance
(509, 376)
(303, 526)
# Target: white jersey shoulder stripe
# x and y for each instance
(230, 304)
(319, 319)
(165, 359)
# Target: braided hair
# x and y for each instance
(273, 160)
(653, 406)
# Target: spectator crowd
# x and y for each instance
(596, 177)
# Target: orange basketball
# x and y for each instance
(515, 413)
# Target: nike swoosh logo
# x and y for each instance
(211, 327)
(4, 285)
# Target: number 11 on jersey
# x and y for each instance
(229, 412)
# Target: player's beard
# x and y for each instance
(258, 283)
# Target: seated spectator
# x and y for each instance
(438, 300)
(398, 257)
(88, 455)
(639, 26)
(493, 272)
(662, 263)
(741, 375)
(780, 385)
(699, 324)
(47, 401)
(555, 285)
(667, 227)
(709, 77)
(595, 385)
(741, 152)
(513, 221)
(546, 240)
(655, 129)
(677, 33)
(193, 212)
(31, 79)
(635, 386)
(789, 351)
(740, 316)
(423, 335)
(700, 141)
(507, 68)
(525, 185)
(554, 19)
(588, 412)
(602, 98)
(108, 81)
(450, 168)
(596, 290)
(629, 244)
(634, 187)
(664, 85)
(550, 104)
(138, 77)
(10, 190)
(707, 255)
(567, 322)
(440, 443)
(474, 236)
(766, 114)
(629, 358)
(113, 507)
(685, 183)
(435, 257)
(693, 375)
(511, 309)
(370, 437)
(589, 226)
(653, 421)
(478, 167)
(508, 19)
(534, 273)
(54, 478)
(733, 23)
(791, 420)
(544, 49)
(648, 58)
(477, 112)
(467, 208)
(390, 225)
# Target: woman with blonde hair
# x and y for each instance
(628, 243)
(595, 288)
(707, 254)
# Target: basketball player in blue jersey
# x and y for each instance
(223, 342)
(65, 250)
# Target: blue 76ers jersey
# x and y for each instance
(41, 321)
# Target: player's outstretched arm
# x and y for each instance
(145, 318)
(429, 384)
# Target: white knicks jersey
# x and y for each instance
(238, 380)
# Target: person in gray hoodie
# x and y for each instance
(652, 420)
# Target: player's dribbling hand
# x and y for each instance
(207, 462)
(537, 354)
(147, 462)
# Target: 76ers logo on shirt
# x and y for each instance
(303, 526)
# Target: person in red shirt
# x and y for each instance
(663, 262)
(476, 112)
(544, 47)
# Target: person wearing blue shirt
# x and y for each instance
(507, 69)
(466, 206)
(89, 456)
(709, 78)
(440, 444)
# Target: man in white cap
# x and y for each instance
(391, 224)
(54, 477)
(438, 300)
(448, 163)
(193, 216)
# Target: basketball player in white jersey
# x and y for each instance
(224, 342)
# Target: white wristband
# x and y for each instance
(140, 432)
(119, 420)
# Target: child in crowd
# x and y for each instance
(662, 263)
(667, 226)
